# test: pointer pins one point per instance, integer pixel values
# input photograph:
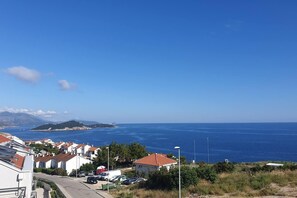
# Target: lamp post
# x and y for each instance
(179, 183)
(107, 168)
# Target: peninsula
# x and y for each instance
(70, 126)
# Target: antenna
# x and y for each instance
(207, 151)
(194, 152)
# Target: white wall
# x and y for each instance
(75, 163)
(140, 168)
(10, 175)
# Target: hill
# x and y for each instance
(69, 125)
(8, 119)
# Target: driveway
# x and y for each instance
(75, 187)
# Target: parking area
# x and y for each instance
(97, 186)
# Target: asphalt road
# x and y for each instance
(74, 187)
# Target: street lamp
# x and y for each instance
(107, 168)
(179, 183)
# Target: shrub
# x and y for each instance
(47, 171)
(37, 170)
(206, 173)
(169, 180)
(260, 181)
(221, 167)
(59, 171)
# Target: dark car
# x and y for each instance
(130, 181)
(81, 174)
(133, 180)
(92, 180)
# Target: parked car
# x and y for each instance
(100, 169)
(81, 174)
(92, 180)
(119, 178)
(133, 180)
(109, 174)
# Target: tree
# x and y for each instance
(87, 168)
(136, 151)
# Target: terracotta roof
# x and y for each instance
(59, 144)
(43, 158)
(18, 161)
(93, 148)
(155, 160)
(63, 157)
(80, 145)
(3, 139)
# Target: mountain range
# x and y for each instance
(8, 119)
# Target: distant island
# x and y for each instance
(70, 126)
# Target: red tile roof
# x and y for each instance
(43, 158)
(3, 139)
(80, 145)
(18, 161)
(155, 160)
(93, 149)
(63, 157)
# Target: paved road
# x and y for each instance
(74, 187)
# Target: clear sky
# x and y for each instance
(150, 61)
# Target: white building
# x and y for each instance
(153, 162)
(16, 171)
(44, 161)
(69, 162)
(92, 152)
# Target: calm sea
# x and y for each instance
(203, 142)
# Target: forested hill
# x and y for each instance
(69, 125)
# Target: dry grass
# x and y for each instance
(143, 193)
(237, 184)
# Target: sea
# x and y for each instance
(236, 142)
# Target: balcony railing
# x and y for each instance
(18, 192)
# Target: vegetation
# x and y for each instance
(220, 179)
(50, 171)
(69, 124)
(46, 147)
(120, 155)
(88, 168)
(56, 192)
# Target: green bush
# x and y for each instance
(207, 173)
(221, 167)
(59, 171)
(56, 192)
(164, 179)
(48, 171)
(260, 181)
(37, 170)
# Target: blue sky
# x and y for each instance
(150, 61)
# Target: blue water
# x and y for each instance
(236, 142)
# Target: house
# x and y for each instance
(92, 152)
(59, 144)
(44, 161)
(16, 168)
(68, 162)
(153, 162)
(69, 147)
(79, 149)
